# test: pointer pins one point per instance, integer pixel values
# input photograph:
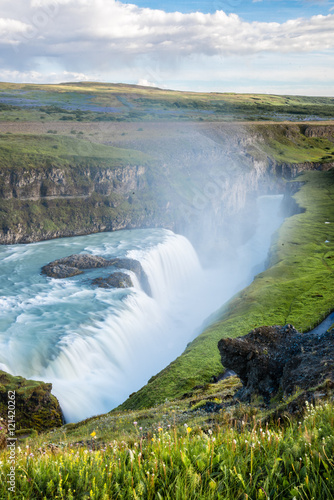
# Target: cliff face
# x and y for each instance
(45, 203)
(200, 177)
(37, 183)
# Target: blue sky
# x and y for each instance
(261, 10)
(259, 46)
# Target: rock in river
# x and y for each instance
(115, 280)
(70, 266)
(74, 264)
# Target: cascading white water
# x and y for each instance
(97, 346)
(170, 266)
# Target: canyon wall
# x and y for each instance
(200, 176)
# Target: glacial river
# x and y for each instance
(96, 345)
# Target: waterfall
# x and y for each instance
(94, 365)
(96, 346)
(170, 266)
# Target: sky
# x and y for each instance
(257, 46)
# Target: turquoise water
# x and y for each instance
(97, 345)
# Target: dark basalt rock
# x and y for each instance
(275, 358)
(60, 271)
(136, 267)
(81, 261)
(35, 406)
(74, 264)
(115, 280)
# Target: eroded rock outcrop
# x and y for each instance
(35, 406)
(274, 358)
(74, 265)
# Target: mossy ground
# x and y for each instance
(35, 407)
(297, 288)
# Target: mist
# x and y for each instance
(98, 346)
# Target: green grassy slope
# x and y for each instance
(298, 288)
(175, 453)
(292, 143)
(118, 102)
(33, 150)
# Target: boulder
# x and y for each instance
(136, 267)
(279, 358)
(74, 264)
(115, 280)
(35, 406)
(60, 271)
(70, 266)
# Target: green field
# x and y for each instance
(89, 101)
(30, 150)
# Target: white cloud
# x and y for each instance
(37, 77)
(66, 26)
(110, 40)
(10, 29)
(145, 83)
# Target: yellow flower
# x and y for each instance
(189, 430)
(160, 429)
(93, 434)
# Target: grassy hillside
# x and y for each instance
(178, 451)
(32, 151)
(292, 143)
(297, 288)
(89, 101)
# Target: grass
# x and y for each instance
(290, 144)
(233, 456)
(297, 288)
(89, 101)
(41, 408)
(32, 150)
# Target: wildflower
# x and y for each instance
(93, 434)
(189, 430)
(212, 485)
(140, 428)
(135, 423)
(159, 429)
(210, 432)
